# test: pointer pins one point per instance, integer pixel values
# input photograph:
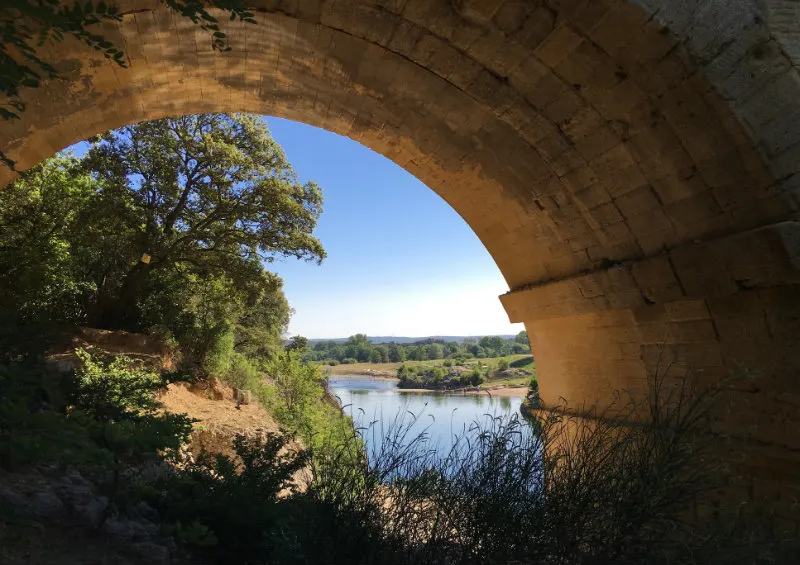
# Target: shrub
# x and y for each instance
(349, 361)
(34, 426)
(242, 373)
(502, 364)
(218, 354)
(333, 362)
(571, 490)
(230, 508)
(447, 363)
(110, 389)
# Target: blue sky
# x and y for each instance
(400, 260)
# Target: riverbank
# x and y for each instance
(390, 369)
(501, 387)
(497, 390)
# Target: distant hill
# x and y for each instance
(400, 339)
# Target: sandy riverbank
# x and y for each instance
(366, 376)
(500, 390)
(493, 389)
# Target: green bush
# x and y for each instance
(218, 355)
(34, 425)
(111, 388)
(502, 364)
(242, 373)
(230, 509)
(349, 361)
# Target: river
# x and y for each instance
(441, 416)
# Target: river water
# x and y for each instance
(377, 404)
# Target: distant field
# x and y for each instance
(390, 369)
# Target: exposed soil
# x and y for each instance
(222, 412)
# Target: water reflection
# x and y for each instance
(441, 416)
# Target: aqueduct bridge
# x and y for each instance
(632, 166)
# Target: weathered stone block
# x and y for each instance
(657, 280)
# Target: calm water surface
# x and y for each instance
(440, 415)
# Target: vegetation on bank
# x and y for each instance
(573, 490)
(359, 349)
(165, 228)
(162, 227)
(456, 374)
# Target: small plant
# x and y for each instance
(113, 388)
(233, 508)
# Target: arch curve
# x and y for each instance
(631, 165)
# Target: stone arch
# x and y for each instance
(631, 165)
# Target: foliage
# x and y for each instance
(297, 343)
(212, 194)
(295, 393)
(359, 349)
(27, 25)
(576, 490)
(232, 507)
(442, 377)
(62, 263)
(34, 425)
(101, 419)
(39, 283)
(112, 389)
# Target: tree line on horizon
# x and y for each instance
(359, 349)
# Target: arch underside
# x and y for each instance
(631, 166)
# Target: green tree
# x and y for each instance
(522, 338)
(397, 354)
(210, 192)
(383, 353)
(492, 344)
(297, 343)
(435, 351)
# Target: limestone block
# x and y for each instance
(656, 279)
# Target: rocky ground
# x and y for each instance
(54, 514)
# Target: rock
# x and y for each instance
(12, 497)
(150, 553)
(76, 478)
(90, 513)
(146, 511)
(46, 505)
(119, 527)
(124, 528)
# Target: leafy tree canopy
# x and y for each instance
(163, 226)
(212, 193)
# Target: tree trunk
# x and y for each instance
(120, 310)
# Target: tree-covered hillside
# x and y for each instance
(361, 349)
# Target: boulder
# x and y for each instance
(150, 553)
(46, 505)
(90, 513)
(12, 498)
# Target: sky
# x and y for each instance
(401, 261)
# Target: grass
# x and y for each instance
(524, 362)
(515, 361)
